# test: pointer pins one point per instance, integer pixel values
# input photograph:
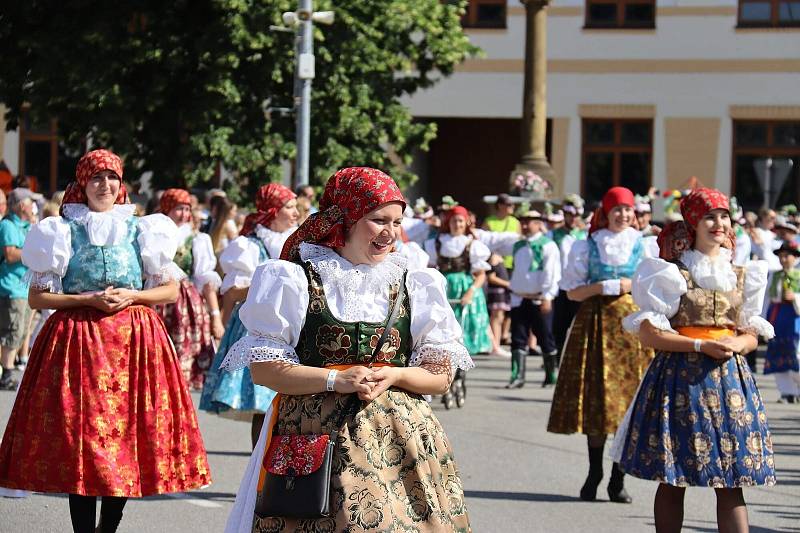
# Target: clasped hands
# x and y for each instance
(723, 348)
(368, 383)
(112, 300)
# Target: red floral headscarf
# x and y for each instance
(173, 198)
(349, 194)
(453, 212)
(612, 198)
(679, 236)
(270, 199)
(91, 164)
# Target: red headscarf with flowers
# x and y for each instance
(270, 199)
(90, 165)
(349, 194)
(612, 198)
(679, 236)
(171, 198)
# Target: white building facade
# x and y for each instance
(639, 93)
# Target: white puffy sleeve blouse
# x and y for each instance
(275, 310)
(658, 285)
(204, 263)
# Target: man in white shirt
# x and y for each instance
(534, 285)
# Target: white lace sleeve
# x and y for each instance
(204, 263)
(435, 332)
(575, 273)
(478, 256)
(274, 314)
(755, 285)
(656, 287)
(46, 253)
(238, 261)
(158, 244)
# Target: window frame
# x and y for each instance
(767, 150)
(617, 148)
(620, 22)
(470, 18)
(774, 19)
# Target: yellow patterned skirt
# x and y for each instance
(600, 370)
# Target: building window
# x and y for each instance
(766, 150)
(43, 159)
(485, 14)
(627, 14)
(769, 13)
(616, 152)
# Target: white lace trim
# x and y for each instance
(633, 322)
(712, 273)
(615, 248)
(258, 349)
(273, 240)
(437, 353)
(169, 272)
(43, 281)
(760, 326)
(106, 228)
(351, 282)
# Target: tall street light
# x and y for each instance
(303, 20)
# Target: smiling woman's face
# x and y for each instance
(371, 239)
(713, 229)
(102, 190)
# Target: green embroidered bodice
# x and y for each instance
(183, 257)
(326, 340)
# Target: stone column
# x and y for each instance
(534, 99)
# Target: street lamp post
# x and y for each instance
(303, 19)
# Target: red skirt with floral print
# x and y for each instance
(103, 410)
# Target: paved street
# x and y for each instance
(518, 478)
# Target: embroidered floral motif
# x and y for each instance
(333, 341)
(296, 455)
(390, 345)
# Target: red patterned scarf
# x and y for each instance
(679, 236)
(91, 164)
(270, 199)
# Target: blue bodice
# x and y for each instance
(263, 254)
(599, 271)
(93, 268)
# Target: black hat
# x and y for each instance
(788, 247)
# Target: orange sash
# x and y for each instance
(706, 333)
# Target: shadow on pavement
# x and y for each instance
(519, 496)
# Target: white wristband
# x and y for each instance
(215, 312)
(698, 345)
(331, 380)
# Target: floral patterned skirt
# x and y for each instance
(474, 319)
(103, 410)
(782, 350)
(189, 325)
(393, 468)
(697, 421)
(233, 394)
(601, 367)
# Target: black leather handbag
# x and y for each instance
(298, 467)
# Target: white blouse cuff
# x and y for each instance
(455, 352)
(44, 281)
(633, 322)
(611, 287)
(258, 349)
(208, 278)
(760, 326)
(239, 280)
(169, 272)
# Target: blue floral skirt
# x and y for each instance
(697, 421)
(782, 349)
(233, 394)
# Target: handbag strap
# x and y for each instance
(353, 402)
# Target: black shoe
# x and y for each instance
(7, 382)
(620, 496)
(616, 486)
(589, 489)
(791, 398)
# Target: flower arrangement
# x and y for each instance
(672, 200)
(531, 185)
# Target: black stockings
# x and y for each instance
(83, 512)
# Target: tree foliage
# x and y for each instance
(178, 86)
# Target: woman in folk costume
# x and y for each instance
(698, 418)
(233, 394)
(314, 321)
(602, 364)
(102, 409)
(783, 352)
(188, 321)
(462, 259)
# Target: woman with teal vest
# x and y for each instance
(602, 364)
(233, 394)
(314, 320)
(102, 409)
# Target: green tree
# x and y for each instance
(178, 86)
